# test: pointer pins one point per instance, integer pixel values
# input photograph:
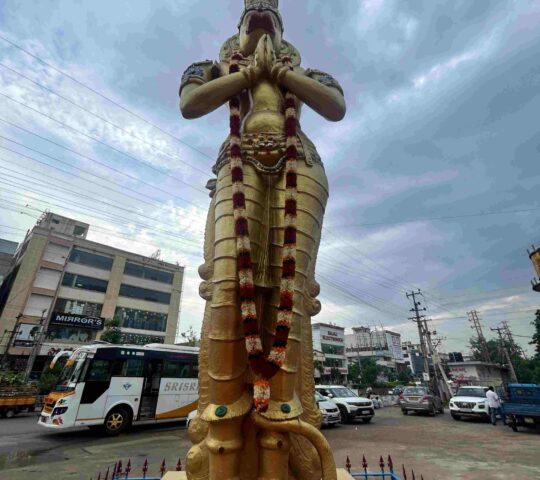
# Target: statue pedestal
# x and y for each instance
(341, 475)
(175, 476)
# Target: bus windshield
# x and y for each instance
(71, 372)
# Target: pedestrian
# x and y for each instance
(494, 405)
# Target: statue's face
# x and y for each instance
(254, 26)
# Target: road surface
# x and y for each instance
(439, 448)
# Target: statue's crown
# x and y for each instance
(261, 5)
(274, 4)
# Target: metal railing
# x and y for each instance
(386, 470)
(385, 467)
(119, 472)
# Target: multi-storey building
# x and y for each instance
(534, 255)
(330, 341)
(381, 344)
(70, 286)
(414, 358)
(7, 250)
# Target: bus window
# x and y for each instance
(172, 369)
(100, 371)
(71, 372)
(131, 367)
(179, 369)
(134, 367)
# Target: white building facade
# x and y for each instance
(381, 344)
(330, 341)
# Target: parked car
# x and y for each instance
(469, 401)
(521, 405)
(420, 399)
(329, 410)
(350, 405)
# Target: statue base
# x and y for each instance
(342, 474)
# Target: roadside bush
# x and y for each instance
(11, 379)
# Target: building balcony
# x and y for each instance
(535, 282)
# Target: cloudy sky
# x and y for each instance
(434, 172)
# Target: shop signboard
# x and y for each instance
(80, 321)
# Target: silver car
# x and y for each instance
(329, 411)
(420, 399)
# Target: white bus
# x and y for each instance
(112, 386)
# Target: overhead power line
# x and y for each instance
(105, 144)
(93, 90)
(86, 157)
(101, 118)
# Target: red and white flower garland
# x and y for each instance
(264, 368)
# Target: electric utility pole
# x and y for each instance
(505, 354)
(442, 386)
(37, 346)
(507, 334)
(484, 351)
(419, 319)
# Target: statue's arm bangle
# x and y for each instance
(248, 74)
(278, 74)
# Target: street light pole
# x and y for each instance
(36, 347)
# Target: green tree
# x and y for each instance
(49, 377)
(493, 347)
(536, 336)
(355, 373)
(404, 376)
(112, 332)
(369, 371)
(191, 338)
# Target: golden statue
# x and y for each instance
(257, 417)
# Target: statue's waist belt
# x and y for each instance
(266, 151)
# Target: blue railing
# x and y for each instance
(368, 475)
(386, 470)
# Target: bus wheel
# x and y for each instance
(117, 421)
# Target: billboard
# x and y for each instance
(26, 335)
(394, 346)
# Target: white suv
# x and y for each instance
(470, 401)
(350, 405)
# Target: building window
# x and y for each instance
(138, 339)
(85, 283)
(91, 259)
(63, 305)
(144, 294)
(79, 231)
(332, 349)
(334, 362)
(61, 334)
(141, 319)
(148, 273)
